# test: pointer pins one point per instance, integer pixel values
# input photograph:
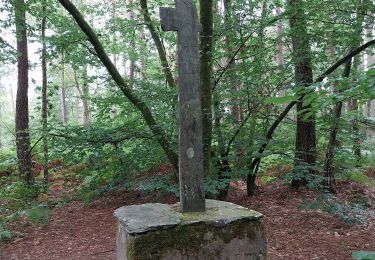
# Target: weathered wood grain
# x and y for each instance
(184, 20)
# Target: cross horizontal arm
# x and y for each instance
(168, 19)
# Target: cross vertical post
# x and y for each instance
(184, 20)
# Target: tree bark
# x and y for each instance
(44, 97)
(126, 90)
(305, 153)
(83, 95)
(85, 99)
(206, 49)
(64, 110)
(132, 45)
(22, 109)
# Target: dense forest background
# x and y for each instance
(88, 98)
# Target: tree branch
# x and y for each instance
(155, 128)
(159, 46)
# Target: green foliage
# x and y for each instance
(357, 176)
(213, 184)
(350, 213)
(19, 194)
(94, 183)
(165, 184)
(39, 214)
(5, 235)
(363, 255)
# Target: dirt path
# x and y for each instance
(88, 232)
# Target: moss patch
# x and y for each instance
(188, 240)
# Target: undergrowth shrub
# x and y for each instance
(39, 214)
(19, 194)
(5, 235)
(356, 176)
(350, 213)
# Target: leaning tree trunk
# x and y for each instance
(206, 49)
(22, 109)
(44, 99)
(305, 153)
(158, 43)
(128, 92)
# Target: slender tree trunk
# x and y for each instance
(328, 165)
(85, 99)
(206, 49)
(83, 94)
(114, 28)
(22, 109)
(280, 48)
(44, 98)
(372, 109)
(222, 163)
(353, 107)
(132, 45)
(64, 110)
(305, 153)
(142, 61)
(235, 109)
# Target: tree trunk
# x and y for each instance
(353, 107)
(280, 49)
(64, 110)
(44, 98)
(132, 45)
(328, 165)
(222, 162)
(305, 153)
(206, 49)
(372, 109)
(85, 99)
(114, 28)
(22, 109)
(353, 104)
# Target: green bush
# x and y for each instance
(5, 235)
(358, 177)
(19, 194)
(350, 213)
(39, 214)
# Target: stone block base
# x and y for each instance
(159, 231)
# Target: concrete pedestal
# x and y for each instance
(159, 231)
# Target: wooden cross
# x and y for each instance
(184, 20)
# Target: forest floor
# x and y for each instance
(295, 231)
